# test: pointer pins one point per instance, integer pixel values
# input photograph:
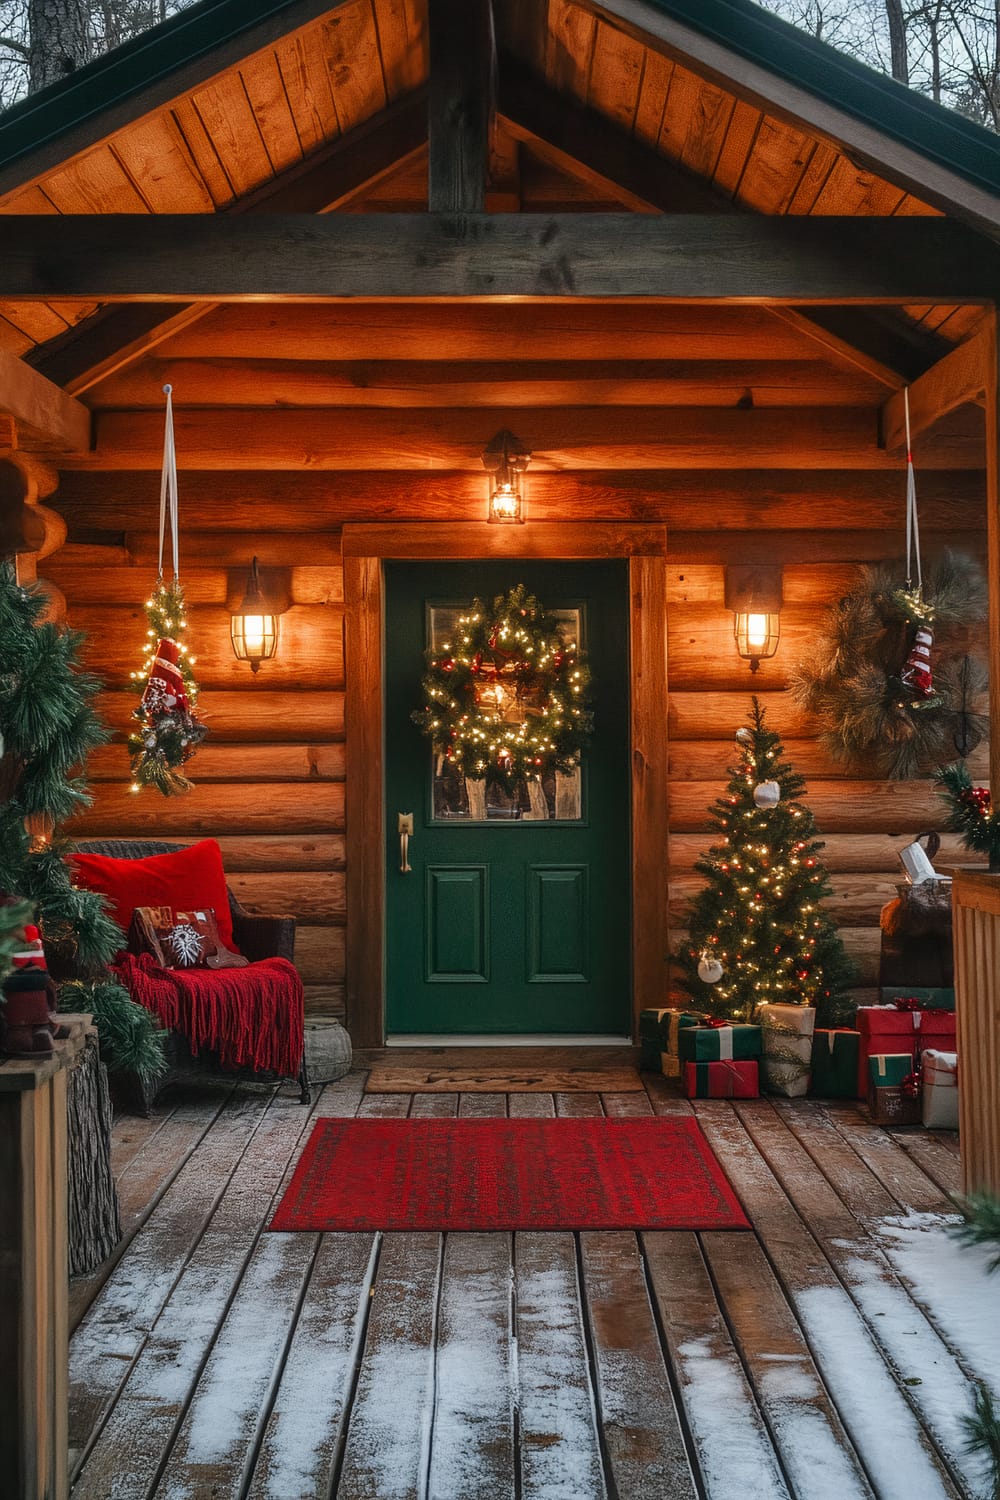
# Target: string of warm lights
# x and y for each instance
(167, 731)
(508, 698)
(758, 930)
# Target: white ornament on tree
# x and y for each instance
(744, 736)
(709, 969)
(766, 794)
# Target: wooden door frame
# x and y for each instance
(365, 548)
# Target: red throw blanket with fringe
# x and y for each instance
(251, 1017)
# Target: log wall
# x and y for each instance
(269, 782)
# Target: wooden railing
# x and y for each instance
(976, 916)
(34, 1317)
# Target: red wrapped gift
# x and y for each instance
(722, 1080)
(898, 1028)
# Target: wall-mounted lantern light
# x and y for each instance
(505, 460)
(753, 593)
(253, 627)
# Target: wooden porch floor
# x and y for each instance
(217, 1360)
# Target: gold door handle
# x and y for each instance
(405, 824)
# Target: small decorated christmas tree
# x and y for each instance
(47, 728)
(758, 931)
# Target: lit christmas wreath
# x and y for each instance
(507, 698)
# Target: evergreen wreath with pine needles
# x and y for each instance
(508, 697)
(866, 717)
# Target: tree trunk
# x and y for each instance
(897, 40)
(59, 40)
(94, 1221)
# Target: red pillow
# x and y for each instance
(186, 878)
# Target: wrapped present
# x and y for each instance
(718, 1043)
(721, 1080)
(835, 1053)
(903, 1026)
(787, 1037)
(930, 999)
(658, 1033)
(939, 1097)
(893, 1097)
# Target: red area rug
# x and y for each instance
(456, 1174)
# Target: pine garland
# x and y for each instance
(981, 1225)
(982, 1435)
(168, 733)
(48, 727)
(851, 685)
(760, 914)
(508, 698)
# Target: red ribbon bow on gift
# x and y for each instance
(713, 1021)
(908, 1005)
(911, 1085)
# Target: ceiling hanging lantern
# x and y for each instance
(253, 628)
(505, 460)
(753, 593)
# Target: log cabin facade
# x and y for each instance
(689, 257)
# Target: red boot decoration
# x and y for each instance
(916, 673)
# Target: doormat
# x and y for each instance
(459, 1174)
(389, 1078)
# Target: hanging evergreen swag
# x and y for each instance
(168, 731)
(507, 699)
(868, 716)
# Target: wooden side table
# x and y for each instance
(34, 1315)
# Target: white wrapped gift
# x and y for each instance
(939, 1073)
(786, 1036)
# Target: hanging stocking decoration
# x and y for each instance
(915, 673)
(167, 732)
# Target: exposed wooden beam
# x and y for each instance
(446, 382)
(116, 336)
(44, 412)
(825, 501)
(564, 438)
(961, 376)
(590, 147)
(461, 97)
(584, 142)
(840, 349)
(193, 257)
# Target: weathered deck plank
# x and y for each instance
(560, 1447)
(842, 1345)
(119, 1321)
(223, 1360)
(735, 1451)
(472, 1442)
(642, 1432)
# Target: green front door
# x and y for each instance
(514, 917)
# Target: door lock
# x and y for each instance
(405, 829)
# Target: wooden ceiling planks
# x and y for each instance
(514, 331)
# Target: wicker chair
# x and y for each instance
(257, 937)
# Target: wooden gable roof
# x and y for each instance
(646, 105)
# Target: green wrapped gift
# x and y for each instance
(888, 1069)
(942, 999)
(653, 1060)
(835, 1055)
(718, 1043)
